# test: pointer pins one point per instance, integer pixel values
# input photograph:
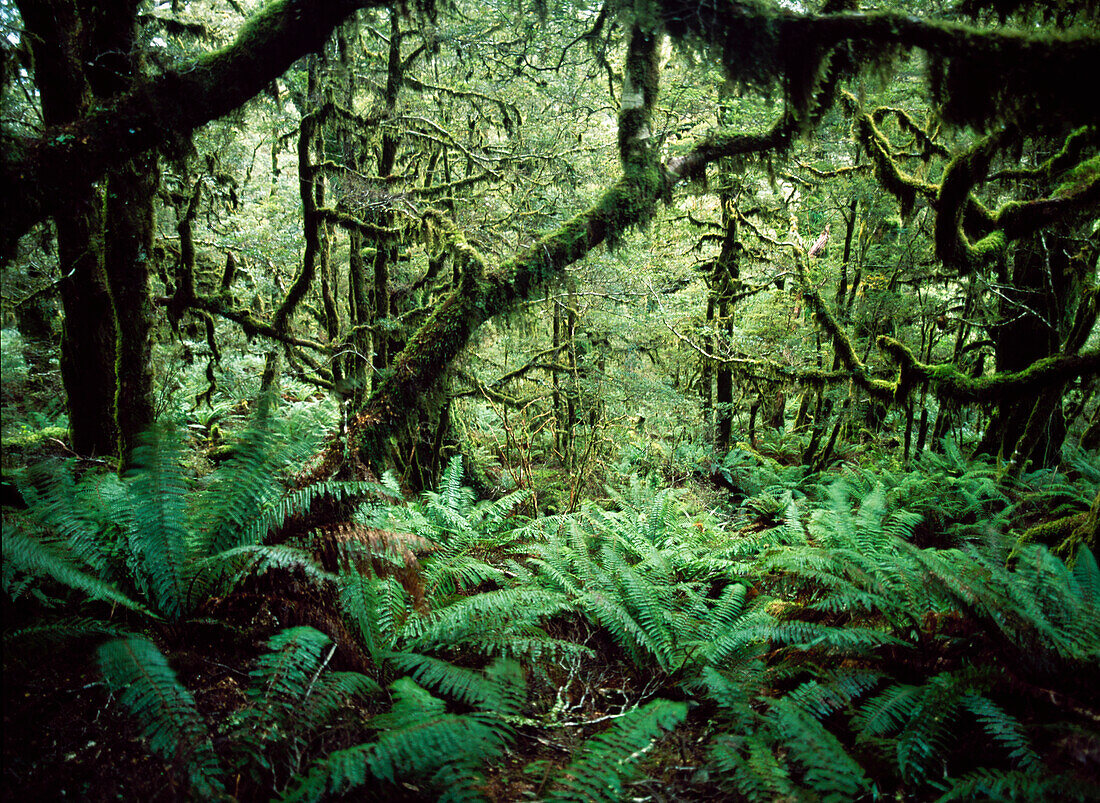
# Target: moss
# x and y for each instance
(1080, 177)
(988, 250)
(950, 382)
(904, 187)
(28, 439)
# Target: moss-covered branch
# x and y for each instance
(485, 291)
(905, 187)
(949, 382)
(978, 75)
(249, 323)
(40, 176)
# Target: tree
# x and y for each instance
(981, 74)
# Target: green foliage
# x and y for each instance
(418, 739)
(152, 543)
(164, 710)
(290, 699)
(603, 764)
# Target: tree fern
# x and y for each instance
(606, 761)
(165, 711)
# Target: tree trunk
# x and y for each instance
(127, 252)
(87, 332)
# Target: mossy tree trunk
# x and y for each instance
(1036, 322)
(84, 55)
(127, 258)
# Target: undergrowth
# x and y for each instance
(873, 634)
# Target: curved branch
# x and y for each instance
(38, 177)
(949, 382)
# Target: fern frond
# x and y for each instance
(469, 619)
(499, 689)
(1005, 729)
(491, 515)
(165, 711)
(997, 785)
(226, 570)
(821, 700)
(42, 557)
(283, 676)
(60, 503)
(605, 761)
(242, 488)
(418, 738)
(50, 634)
(159, 532)
(453, 495)
(888, 711)
(377, 607)
(298, 502)
(1086, 575)
(727, 609)
(925, 738)
(828, 768)
(751, 765)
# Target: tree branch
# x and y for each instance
(949, 382)
(39, 176)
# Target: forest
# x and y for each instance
(568, 400)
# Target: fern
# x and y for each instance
(479, 618)
(158, 531)
(750, 766)
(1086, 578)
(46, 557)
(136, 670)
(998, 785)
(246, 485)
(117, 539)
(291, 697)
(605, 762)
(377, 608)
(418, 738)
(499, 689)
(827, 767)
(1004, 729)
(50, 633)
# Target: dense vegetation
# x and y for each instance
(641, 400)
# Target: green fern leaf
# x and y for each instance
(1005, 730)
(417, 738)
(171, 724)
(605, 761)
(828, 768)
(45, 558)
(159, 532)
